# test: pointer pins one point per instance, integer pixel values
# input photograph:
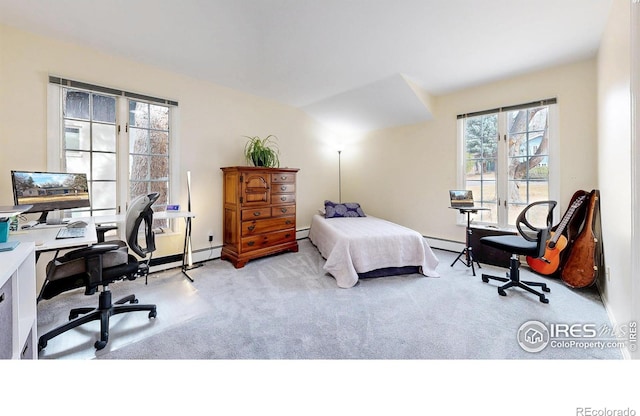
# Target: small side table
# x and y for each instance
(467, 252)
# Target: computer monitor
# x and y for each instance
(49, 191)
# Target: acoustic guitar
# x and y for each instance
(580, 269)
(550, 262)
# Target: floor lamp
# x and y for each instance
(187, 258)
(339, 178)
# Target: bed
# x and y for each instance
(367, 246)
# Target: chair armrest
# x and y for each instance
(94, 250)
(101, 230)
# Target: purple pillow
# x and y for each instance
(347, 209)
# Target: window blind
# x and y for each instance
(106, 90)
(540, 103)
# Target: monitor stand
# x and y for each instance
(51, 217)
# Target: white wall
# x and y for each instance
(404, 173)
(212, 121)
(614, 160)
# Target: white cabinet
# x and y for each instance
(18, 327)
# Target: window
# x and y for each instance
(122, 141)
(505, 159)
(149, 152)
(89, 146)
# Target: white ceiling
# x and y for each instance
(353, 64)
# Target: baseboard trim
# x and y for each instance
(200, 256)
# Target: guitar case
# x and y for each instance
(585, 261)
(573, 229)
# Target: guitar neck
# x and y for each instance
(566, 219)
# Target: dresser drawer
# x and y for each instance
(256, 213)
(267, 225)
(283, 177)
(283, 199)
(283, 210)
(269, 239)
(282, 188)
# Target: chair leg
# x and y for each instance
(127, 299)
(104, 311)
(74, 313)
(514, 280)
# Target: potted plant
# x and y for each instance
(262, 152)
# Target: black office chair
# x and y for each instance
(532, 242)
(100, 265)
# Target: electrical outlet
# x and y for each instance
(210, 237)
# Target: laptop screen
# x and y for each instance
(461, 198)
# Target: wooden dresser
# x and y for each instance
(259, 212)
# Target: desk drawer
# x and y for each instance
(6, 321)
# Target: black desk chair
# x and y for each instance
(100, 265)
(532, 242)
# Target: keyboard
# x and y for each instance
(70, 233)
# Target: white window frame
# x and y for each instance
(55, 141)
(502, 174)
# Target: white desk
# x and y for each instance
(44, 237)
(18, 329)
(108, 219)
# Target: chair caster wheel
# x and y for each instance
(501, 292)
(134, 301)
(42, 345)
(485, 279)
(73, 316)
(100, 344)
(543, 299)
(153, 314)
(545, 289)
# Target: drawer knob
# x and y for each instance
(256, 214)
(283, 188)
(251, 227)
(283, 177)
(283, 198)
(287, 235)
(287, 222)
(283, 210)
(251, 243)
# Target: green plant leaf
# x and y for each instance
(262, 152)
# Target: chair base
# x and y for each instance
(513, 280)
(103, 312)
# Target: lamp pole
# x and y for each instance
(339, 178)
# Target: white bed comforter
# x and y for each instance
(362, 244)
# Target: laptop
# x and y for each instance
(461, 199)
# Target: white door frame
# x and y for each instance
(635, 163)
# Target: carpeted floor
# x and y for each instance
(287, 307)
